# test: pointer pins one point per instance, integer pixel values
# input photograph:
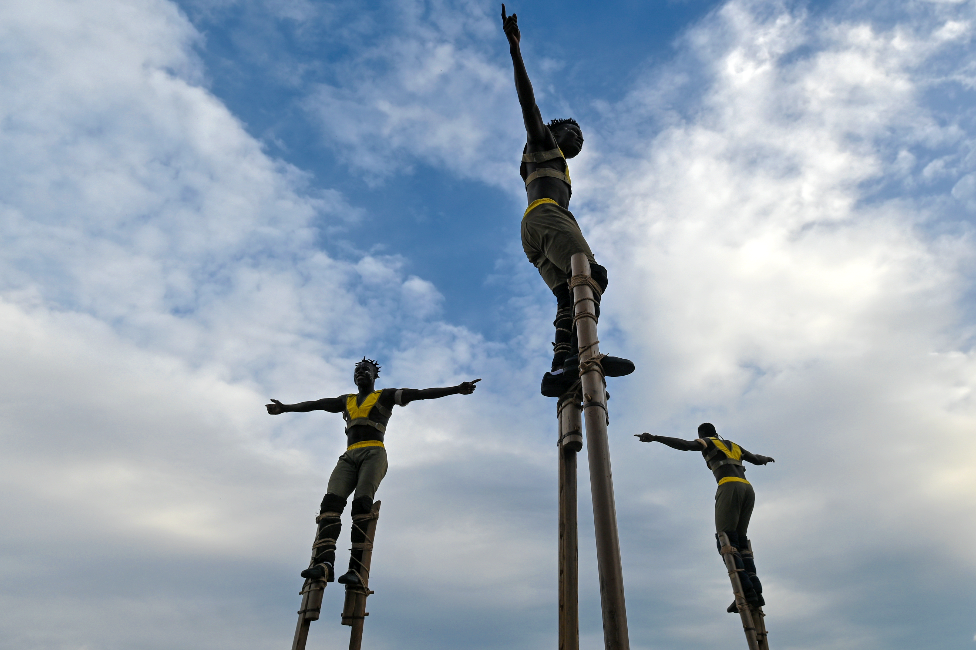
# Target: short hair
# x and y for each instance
(370, 362)
(568, 120)
(707, 430)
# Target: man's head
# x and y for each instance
(707, 430)
(366, 373)
(568, 136)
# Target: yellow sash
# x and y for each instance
(365, 443)
(733, 479)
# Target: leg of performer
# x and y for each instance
(372, 468)
(322, 566)
(562, 347)
(731, 503)
(745, 546)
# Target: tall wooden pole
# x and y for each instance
(570, 442)
(595, 415)
(354, 609)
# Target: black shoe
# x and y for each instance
(558, 384)
(350, 578)
(733, 608)
(612, 366)
(323, 571)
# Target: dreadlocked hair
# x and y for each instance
(559, 122)
(370, 362)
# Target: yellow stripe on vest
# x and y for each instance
(729, 479)
(735, 454)
(361, 411)
(535, 204)
(365, 443)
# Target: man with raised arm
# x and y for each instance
(361, 468)
(550, 234)
(734, 498)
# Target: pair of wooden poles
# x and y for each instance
(354, 609)
(587, 401)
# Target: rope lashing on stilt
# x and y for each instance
(327, 515)
(324, 541)
(358, 522)
(580, 280)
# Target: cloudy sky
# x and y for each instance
(208, 203)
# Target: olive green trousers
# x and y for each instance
(734, 502)
(550, 238)
(359, 470)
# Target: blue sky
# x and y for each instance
(207, 204)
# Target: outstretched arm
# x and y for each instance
(408, 395)
(535, 129)
(674, 443)
(755, 459)
(330, 404)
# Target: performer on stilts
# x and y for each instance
(361, 468)
(734, 498)
(550, 234)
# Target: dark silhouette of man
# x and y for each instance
(734, 498)
(550, 233)
(361, 468)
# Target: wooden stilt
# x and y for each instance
(759, 618)
(354, 609)
(570, 442)
(595, 415)
(311, 593)
(745, 611)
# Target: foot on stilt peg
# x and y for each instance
(612, 366)
(350, 578)
(320, 572)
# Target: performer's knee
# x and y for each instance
(333, 503)
(361, 505)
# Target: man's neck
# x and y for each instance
(366, 390)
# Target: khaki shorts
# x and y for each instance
(550, 238)
(359, 470)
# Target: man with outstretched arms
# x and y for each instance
(734, 498)
(361, 468)
(550, 234)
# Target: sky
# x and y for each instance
(207, 204)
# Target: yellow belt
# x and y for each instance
(536, 204)
(366, 443)
(729, 479)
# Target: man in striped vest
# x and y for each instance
(361, 468)
(550, 234)
(734, 498)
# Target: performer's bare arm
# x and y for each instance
(330, 404)
(755, 459)
(699, 445)
(537, 135)
(408, 395)
(674, 443)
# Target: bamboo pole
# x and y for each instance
(745, 611)
(354, 608)
(595, 415)
(759, 618)
(570, 442)
(311, 593)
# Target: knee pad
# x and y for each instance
(599, 273)
(332, 503)
(361, 505)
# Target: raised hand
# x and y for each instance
(467, 387)
(277, 408)
(510, 25)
